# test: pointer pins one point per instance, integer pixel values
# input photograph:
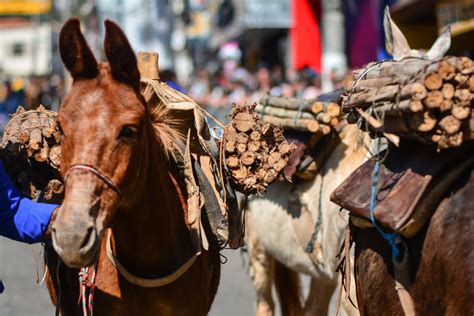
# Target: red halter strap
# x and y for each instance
(97, 173)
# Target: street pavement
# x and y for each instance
(23, 297)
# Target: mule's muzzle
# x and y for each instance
(77, 246)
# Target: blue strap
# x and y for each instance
(391, 238)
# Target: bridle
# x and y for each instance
(142, 282)
(87, 281)
(107, 180)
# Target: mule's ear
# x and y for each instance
(441, 45)
(75, 53)
(119, 53)
(395, 42)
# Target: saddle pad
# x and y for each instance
(407, 175)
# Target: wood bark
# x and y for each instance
(256, 151)
(418, 99)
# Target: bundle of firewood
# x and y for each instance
(302, 115)
(429, 101)
(31, 153)
(255, 152)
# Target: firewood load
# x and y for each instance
(31, 153)
(424, 100)
(255, 152)
(204, 157)
(313, 115)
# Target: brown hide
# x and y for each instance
(441, 261)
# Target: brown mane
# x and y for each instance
(165, 124)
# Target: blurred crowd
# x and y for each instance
(29, 93)
(217, 90)
(214, 88)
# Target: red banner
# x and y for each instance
(305, 35)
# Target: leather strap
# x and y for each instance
(405, 299)
(401, 271)
(97, 173)
(143, 282)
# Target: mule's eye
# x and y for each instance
(128, 132)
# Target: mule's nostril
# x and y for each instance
(89, 239)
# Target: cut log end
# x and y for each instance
(450, 124)
(256, 151)
(434, 99)
(433, 81)
(424, 122)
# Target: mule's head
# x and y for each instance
(102, 119)
(397, 45)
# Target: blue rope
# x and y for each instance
(389, 237)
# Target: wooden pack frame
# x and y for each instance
(209, 192)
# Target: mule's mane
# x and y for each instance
(166, 130)
(165, 125)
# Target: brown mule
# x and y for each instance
(119, 182)
(441, 260)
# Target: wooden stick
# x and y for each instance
(446, 70)
(378, 125)
(433, 81)
(148, 65)
(460, 112)
(282, 112)
(450, 124)
(301, 125)
(448, 91)
(434, 99)
(424, 122)
(286, 103)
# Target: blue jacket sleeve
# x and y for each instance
(20, 218)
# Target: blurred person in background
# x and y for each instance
(200, 87)
(169, 77)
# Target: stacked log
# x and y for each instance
(430, 101)
(255, 152)
(312, 116)
(31, 153)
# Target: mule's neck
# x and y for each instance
(151, 237)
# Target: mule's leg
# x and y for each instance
(319, 297)
(215, 275)
(287, 284)
(261, 272)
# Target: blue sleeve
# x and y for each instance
(20, 218)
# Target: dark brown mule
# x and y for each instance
(129, 191)
(441, 261)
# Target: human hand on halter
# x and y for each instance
(21, 219)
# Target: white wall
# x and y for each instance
(34, 57)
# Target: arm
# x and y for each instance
(20, 218)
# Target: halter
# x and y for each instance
(110, 183)
(146, 282)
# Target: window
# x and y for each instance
(18, 49)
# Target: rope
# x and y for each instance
(263, 108)
(319, 220)
(107, 180)
(87, 297)
(145, 282)
(299, 113)
(391, 238)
